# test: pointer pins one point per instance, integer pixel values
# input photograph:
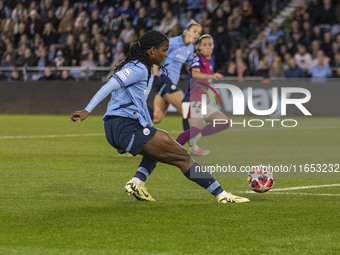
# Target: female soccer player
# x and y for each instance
(128, 126)
(181, 50)
(202, 69)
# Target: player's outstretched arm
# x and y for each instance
(104, 91)
(79, 116)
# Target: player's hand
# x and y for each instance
(156, 84)
(217, 75)
(79, 116)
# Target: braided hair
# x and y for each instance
(137, 52)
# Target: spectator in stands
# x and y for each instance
(337, 73)
(276, 71)
(218, 19)
(320, 70)
(59, 61)
(34, 25)
(315, 47)
(326, 45)
(124, 10)
(263, 70)
(18, 35)
(154, 11)
(49, 35)
(15, 76)
(205, 21)
(3, 10)
(7, 21)
(79, 7)
(48, 75)
(52, 52)
(231, 69)
(314, 9)
(235, 25)
(286, 25)
(168, 22)
(336, 61)
(95, 19)
(46, 6)
(222, 46)
(285, 61)
(61, 10)
(85, 50)
(142, 20)
(10, 50)
(294, 71)
(303, 58)
(212, 5)
(70, 50)
(306, 33)
(185, 18)
(294, 41)
(19, 12)
(274, 33)
(270, 55)
(66, 24)
(321, 55)
(88, 63)
(65, 76)
(118, 54)
(327, 14)
(261, 43)
(27, 59)
(253, 59)
(127, 32)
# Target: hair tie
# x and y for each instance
(139, 44)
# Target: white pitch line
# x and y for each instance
(48, 136)
(274, 191)
(304, 194)
(308, 187)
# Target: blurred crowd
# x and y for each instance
(51, 34)
(306, 44)
(98, 33)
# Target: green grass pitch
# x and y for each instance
(62, 192)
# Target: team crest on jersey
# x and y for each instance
(173, 87)
(146, 131)
(127, 71)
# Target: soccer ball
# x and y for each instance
(261, 179)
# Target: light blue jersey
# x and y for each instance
(129, 91)
(178, 54)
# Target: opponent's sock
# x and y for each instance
(203, 179)
(144, 170)
(185, 123)
(185, 136)
(210, 129)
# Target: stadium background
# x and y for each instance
(62, 185)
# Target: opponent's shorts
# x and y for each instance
(126, 134)
(168, 85)
(193, 110)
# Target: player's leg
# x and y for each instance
(160, 108)
(211, 129)
(175, 99)
(165, 149)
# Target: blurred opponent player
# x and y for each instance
(202, 69)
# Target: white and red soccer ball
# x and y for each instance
(261, 179)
